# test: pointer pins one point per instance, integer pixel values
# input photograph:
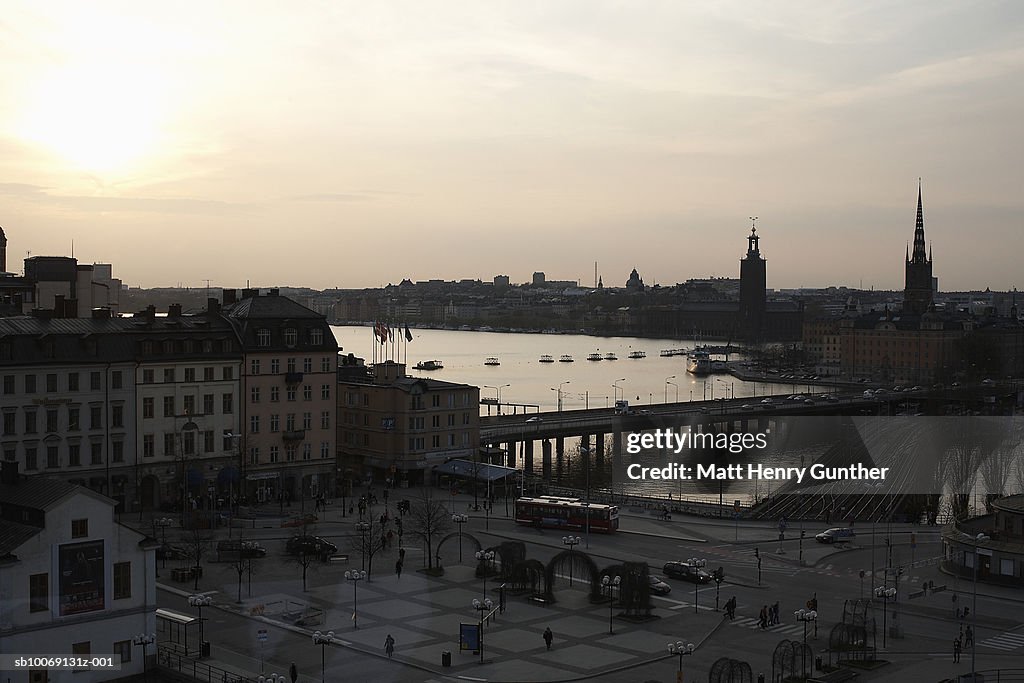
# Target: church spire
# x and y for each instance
(919, 255)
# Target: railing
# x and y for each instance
(170, 660)
(294, 434)
(292, 377)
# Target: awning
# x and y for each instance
(475, 470)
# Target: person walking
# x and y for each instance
(389, 646)
(956, 650)
(730, 608)
(398, 568)
(775, 613)
(548, 637)
(969, 637)
(293, 672)
(762, 620)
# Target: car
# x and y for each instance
(766, 401)
(310, 545)
(243, 549)
(535, 419)
(746, 406)
(658, 586)
(833, 398)
(835, 534)
(809, 401)
(868, 394)
(686, 572)
(171, 552)
(880, 391)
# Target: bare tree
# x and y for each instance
(970, 441)
(198, 542)
(429, 519)
(368, 542)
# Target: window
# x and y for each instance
(116, 379)
(325, 364)
(147, 377)
(289, 453)
(316, 337)
(51, 420)
(263, 337)
(275, 423)
(307, 451)
(254, 424)
(74, 455)
(436, 441)
(325, 419)
(290, 394)
(435, 421)
(31, 458)
(123, 651)
(254, 367)
(30, 384)
(227, 404)
(169, 375)
(95, 417)
(228, 373)
(190, 374)
(168, 406)
(148, 447)
(169, 443)
(325, 391)
(307, 421)
(208, 444)
(289, 422)
(96, 449)
(95, 383)
(8, 384)
(254, 394)
(254, 455)
(38, 592)
(275, 366)
(51, 382)
(188, 442)
(117, 416)
(275, 454)
(307, 365)
(147, 407)
(30, 420)
(122, 580)
(189, 403)
(79, 528)
(10, 423)
(275, 394)
(307, 392)
(291, 365)
(435, 401)
(72, 381)
(451, 419)
(291, 337)
(207, 404)
(207, 374)
(325, 449)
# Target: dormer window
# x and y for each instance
(291, 337)
(316, 337)
(263, 337)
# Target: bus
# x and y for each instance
(566, 513)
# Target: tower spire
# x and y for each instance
(919, 255)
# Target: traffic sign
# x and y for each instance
(261, 635)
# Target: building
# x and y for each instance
(60, 283)
(918, 294)
(394, 426)
(997, 557)
(753, 290)
(72, 579)
(289, 375)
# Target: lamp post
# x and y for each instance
(199, 602)
(616, 388)
(885, 594)
(481, 608)
(611, 583)
(572, 542)
(585, 450)
(187, 427)
(355, 576)
(980, 538)
(805, 617)
(697, 564)
(236, 439)
(497, 391)
(559, 390)
(144, 640)
(682, 650)
(667, 382)
(485, 557)
(460, 520)
(323, 640)
(163, 523)
(363, 528)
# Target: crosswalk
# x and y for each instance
(785, 629)
(1004, 641)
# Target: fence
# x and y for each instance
(169, 660)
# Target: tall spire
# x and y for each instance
(919, 255)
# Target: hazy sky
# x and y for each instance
(353, 144)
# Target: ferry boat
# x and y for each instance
(565, 358)
(610, 356)
(637, 354)
(699, 363)
(491, 360)
(429, 365)
(595, 356)
(546, 359)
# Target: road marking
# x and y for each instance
(1004, 641)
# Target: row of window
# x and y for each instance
(187, 442)
(169, 375)
(290, 453)
(59, 382)
(47, 420)
(255, 393)
(169, 346)
(290, 336)
(78, 454)
(417, 403)
(189, 405)
(39, 587)
(291, 365)
(289, 422)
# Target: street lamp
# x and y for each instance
(682, 650)
(189, 426)
(885, 594)
(559, 390)
(980, 538)
(237, 440)
(616, 388)
(199, 602)
(144, 640)
(667, 382)
(497, 391)
(485, 557)
(806, 616)
(482, 608)
(355, 576)
(163, 523)
(572, 542)
(611, 583)
(323, 640)
(697, 564)
(460, 520)
(363, 528)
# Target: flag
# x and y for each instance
(391, 333)
(408, 334)
(381, 330)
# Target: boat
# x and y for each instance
(699, 363)
(719, 366)
(610, 356)
(637, 354)
(491, 361)
(429, 365)
(546, 359)
(595, 356)
(565, 358)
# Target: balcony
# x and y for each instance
(292, 378)
(292, 435)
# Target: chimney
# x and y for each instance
(229, 296)
(174, 311)
(212, 306)
(58, 306)
(150, 313)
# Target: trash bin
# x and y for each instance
(204, 649)
(817, 663)
(446, 658)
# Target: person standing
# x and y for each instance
(398, 568)
(389, 646)
(762, 620)
(969, 637)
(548, 637)
(956, 650)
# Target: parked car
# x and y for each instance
(171, 552)
(686, 572)
(658, 586)
(310, 545)
(835, 534)
(245, 549)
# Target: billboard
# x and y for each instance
(82, 575)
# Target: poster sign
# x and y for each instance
(469, 636)
(82, 575)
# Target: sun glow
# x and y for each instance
(97, 117)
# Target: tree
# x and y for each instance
(429, 519)
(198, 541)
(368, 543)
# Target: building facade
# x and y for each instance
(990, 547)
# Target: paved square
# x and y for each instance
(589, 657)
(395, 609)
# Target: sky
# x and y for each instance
(353, 144)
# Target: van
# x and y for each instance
(836, 534)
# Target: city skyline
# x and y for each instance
(354, 146)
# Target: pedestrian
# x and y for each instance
(957, 612)
(401, 554)
(956, 650)
(390, 538)
(969, 639)
(730, 608)
(389, 646)
(398, 568)
(762, 620)
(548, 637)
(775, 613)
(293, 672)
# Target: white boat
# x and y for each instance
(565, 358)
(546, 359)
(429, 365)
(610, 356)
(699, 363)
(491, 360)
(637, 354)
(595, 356)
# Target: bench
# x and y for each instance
(337, 558)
